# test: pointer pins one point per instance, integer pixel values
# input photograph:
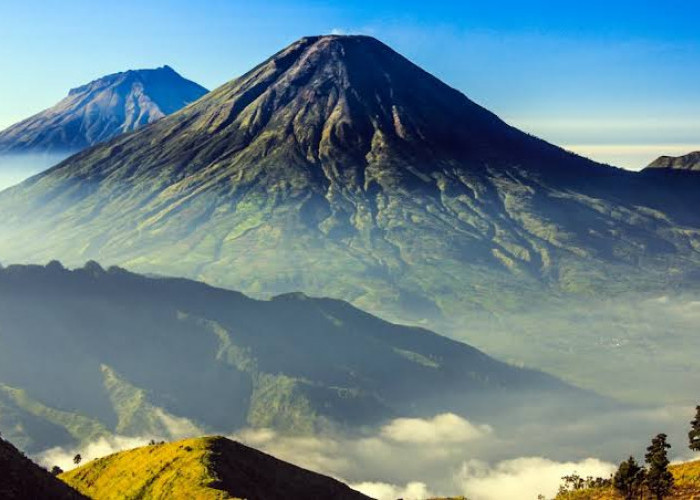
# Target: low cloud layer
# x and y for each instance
(414, 458)
(524, 478)
(418, 458)
(63, 457)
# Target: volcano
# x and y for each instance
(101, 110)
(340, 168)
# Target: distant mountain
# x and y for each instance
(203, 468)
(90, 352)
(689, 162)
(101, 110)
(20, 478)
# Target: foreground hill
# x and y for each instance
(689, 162)
(101, 110)
(20, 478)
(687, 481)
(137, 355)
(205, 468)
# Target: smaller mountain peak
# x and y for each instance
(689, 162)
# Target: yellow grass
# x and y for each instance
(687, 481)
(177, 470)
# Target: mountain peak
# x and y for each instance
(689, 162)
(100, 110)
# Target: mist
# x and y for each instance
(637, 348)
(16, 168)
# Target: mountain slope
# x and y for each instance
(340, 169)
(168, 358)
(213, 467)
(101, 110)
(689, 162)
(337, 156)
(20, 478)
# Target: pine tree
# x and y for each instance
(77, 459)
(629, 478)
(659, 478)
(694, 434)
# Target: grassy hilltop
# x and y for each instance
(202, 468)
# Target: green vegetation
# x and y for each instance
(405, 198)
(169, 358)
(686, 478)
(32, 425)
(658, 480)
(694, 433)
(629, 479)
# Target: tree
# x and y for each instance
(56, 470)
(77, 459)
(694, 434)
(629, 478)
(659, 478)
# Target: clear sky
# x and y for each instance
(617, 80)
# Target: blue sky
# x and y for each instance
(617, 80)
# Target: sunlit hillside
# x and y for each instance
(686, 476)
(202, 468)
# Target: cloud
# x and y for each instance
(384, 491)
(442, 429)
(63, 457)
(172, 427)
(176, 427)
(447, 455)
(523, 478)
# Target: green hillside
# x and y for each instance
(169, 358)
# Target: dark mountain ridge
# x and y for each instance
(20, 478)
(127, 350)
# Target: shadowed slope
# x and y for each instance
(20, 478)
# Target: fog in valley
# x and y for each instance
(15, 168)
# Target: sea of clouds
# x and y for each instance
(416, 458)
